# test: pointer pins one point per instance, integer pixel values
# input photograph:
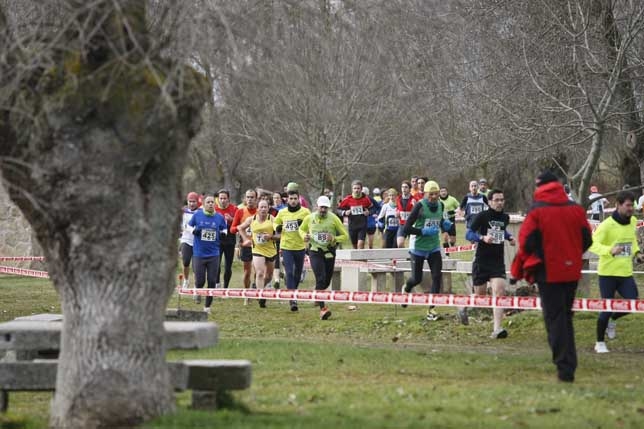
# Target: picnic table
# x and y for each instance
(31, 345)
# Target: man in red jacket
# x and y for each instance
(553, 238)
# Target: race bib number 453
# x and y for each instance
(291, 226)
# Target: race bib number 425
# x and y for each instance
(209, 235)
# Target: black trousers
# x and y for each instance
(435, 262)
(206, 267)
(322, 265)
(228, 252)
(556, 301)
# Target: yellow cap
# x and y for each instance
(431, 186)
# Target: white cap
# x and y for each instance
(365, 190)
(376, 191)
(324, 201)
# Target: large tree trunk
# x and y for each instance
(632, 154)
(95, 142)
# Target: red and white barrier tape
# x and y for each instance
(21, 258)
(457, 249)
(24, 272)
(439, 300)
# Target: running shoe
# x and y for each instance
(432, 315)
(600, 347)
(325, 313)
(610, 330)
(206, 310)
(294, 306)
(499, 334)
(262, 303)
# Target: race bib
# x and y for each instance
(357, 210)
(404, 216)
(476, 209)
(248, 231)
(209, 235)
(321, 237)
(432, 222)
(497, 236)
(291, 226)
(261, 238)
(392, 222)
(628, 249)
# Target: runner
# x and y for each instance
(245, 251)
(451, 204)
(426, 221)
(228, 241)
(322, 231)
(615, 241)
(490, 230)
(262, 241)
(208, 227)
(372, 223)
(597, 207)
(473, 203)
(287, 224)
(275, 205)
(388, 217)
(187, 238)
(356, 207)
(420, 188)
(413, 188)
(404, 204)
(483, 189)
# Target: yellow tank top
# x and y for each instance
(260, 230)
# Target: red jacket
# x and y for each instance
(556, 232)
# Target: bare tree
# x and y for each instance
(95, 127)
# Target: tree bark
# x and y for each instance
(94, 145)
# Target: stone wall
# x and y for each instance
(16, 238)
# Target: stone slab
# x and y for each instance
(371, 254)
(218, 374)
(39, 335)
(181, 315)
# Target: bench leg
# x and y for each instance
(378, 282)
(399, 280)
(204, 400)
(446, 286)
(336, 281)
(4, 401)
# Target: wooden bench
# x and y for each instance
(28, 339)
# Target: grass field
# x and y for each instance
(386, 367)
